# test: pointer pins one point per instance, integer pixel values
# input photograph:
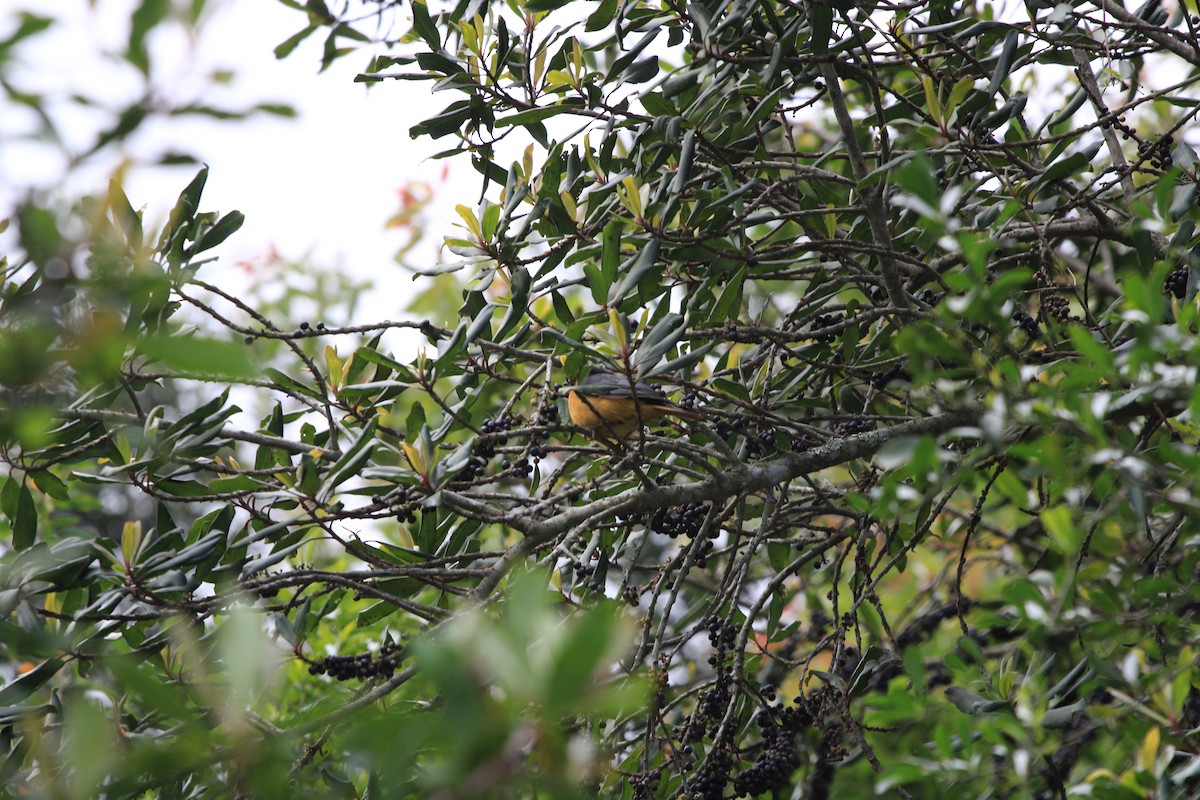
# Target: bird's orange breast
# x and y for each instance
(611, 416)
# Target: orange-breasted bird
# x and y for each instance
(611, 406)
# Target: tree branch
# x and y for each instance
(739, 479)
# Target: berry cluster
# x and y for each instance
(1116, 122)
(931, 298)
(645, 784)
(711, 705)
(1158, 153)
(710, 782)
(661, 676)
(486, 448)
(764, 440)
(495, 434)
(474, 469)
(779, 757)
(405, 500)
(684, 520)
(362, 666)
(726, 429)
(1054, 305)
(521, 468)
(896, 372)
(1176, 283)
(547, 413)
(852, 427)
(826, 321)
(1026, 323)
(595, 573)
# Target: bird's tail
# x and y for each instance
(684, 413)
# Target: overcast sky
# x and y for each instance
(322, 184)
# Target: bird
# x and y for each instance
(611, 406)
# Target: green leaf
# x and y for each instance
(1069, 165)
(489, 219)
(236, 483)
(25, 520)
(24, 686)
(291, 384)
(545, 5)
(610, 251)
(225, 227)
(531, 116)
(48, 482)
(1061, 527)
(969, 702)
(178, 488)
(424, 25)
(779, 554)
(1005, 61)
(687, 154)
(729, 303)
(602, 16)
(373, 614)
(147, 15)
(193, 354)
(10, 494)
(522, 281)
(39, 234)
(284, 49)
(822, 28)
(767, 106)
(579, 658)
(352, 460)
(481, 323)
(645, 261)
(375, 357)
(597, 284)
(182, 215)
(658, 340)
(29, 25)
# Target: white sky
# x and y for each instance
(322, 184)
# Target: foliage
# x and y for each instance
(929, 272)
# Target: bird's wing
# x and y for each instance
(610, 384)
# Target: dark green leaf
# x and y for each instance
(645, 261)
(25, 520)
(1005, 61)
(148, 14)
(50, 483)
(284, 49)
(424, 25)
(24, 686)
(226, 227)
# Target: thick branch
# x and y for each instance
(872, 194)
(1087, 79)
(739, 479)
(1161, 37)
